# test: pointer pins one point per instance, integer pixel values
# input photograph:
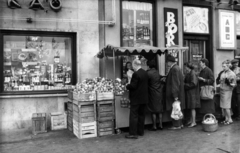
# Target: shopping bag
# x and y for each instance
(176, 111)
(125, 102)
(207, 92)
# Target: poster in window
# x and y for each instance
(195, 20)
(142, 28)
(227, 39)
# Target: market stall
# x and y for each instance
(148, 52)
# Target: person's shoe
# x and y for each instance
(192, 125)
(175, 128)
(131, 136)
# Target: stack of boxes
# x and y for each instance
(84, 115)
(105, 113)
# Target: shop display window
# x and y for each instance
(137, 24)
(37, 61)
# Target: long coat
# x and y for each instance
(155, 88)
(138, 88)
(192, 90)
(207, 106)
(174, 87)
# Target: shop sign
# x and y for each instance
(227, 39)
(195, 20)
(171, 26)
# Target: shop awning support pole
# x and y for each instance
(114, 70)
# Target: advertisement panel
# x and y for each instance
(195, 20)
(227, 34)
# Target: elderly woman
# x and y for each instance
(155, 95)
(227, 83)
(192, 92)
(206, 77)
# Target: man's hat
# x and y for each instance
(234, 61)
(171, 58)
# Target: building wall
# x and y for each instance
(15, 113)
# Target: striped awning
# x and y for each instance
(146, 51)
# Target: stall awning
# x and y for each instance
(147, 51)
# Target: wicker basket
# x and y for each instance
(210, 127)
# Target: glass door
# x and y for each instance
(197, 50)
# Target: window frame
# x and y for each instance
(71, 35)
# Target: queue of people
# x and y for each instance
(150, 91)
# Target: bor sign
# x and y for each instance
(171, 27)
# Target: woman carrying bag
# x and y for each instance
(206, 80)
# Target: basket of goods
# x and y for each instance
(209, 123)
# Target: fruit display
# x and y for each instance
(101, 85)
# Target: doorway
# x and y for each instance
(197, 50)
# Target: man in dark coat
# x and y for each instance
(174, 88)
(138, 95)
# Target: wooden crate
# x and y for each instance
(105, 96)
(105, 128)
(105, 110)
(85, 130)
(84, 112)
(84, 96)
(39, 123)
(58, 121)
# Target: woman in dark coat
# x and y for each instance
(206, 77)
(192, 92)
(154, 95)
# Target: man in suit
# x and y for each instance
(138, 95)
(174, 89)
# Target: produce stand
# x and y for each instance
(149, 52)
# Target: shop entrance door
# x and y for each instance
(197, 50)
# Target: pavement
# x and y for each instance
(187, 140)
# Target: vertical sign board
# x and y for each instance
(227, 28)
(171, 27)
(171, 32)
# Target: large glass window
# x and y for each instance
(34, 62)
(137, 24)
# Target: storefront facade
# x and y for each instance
(46, 50)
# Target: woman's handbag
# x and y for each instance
(207, 92)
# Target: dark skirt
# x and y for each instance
(207, 106)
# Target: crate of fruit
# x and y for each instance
(105, 96)
(84, 96)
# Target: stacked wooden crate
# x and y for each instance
(105, 113)
(84, 115)
(70, 115)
